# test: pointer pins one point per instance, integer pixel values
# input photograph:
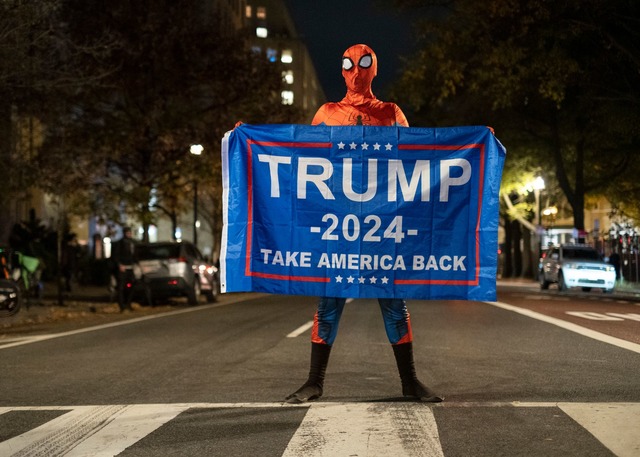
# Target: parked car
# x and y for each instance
(170, 269)
(574, 265)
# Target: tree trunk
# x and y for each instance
(6, 222)
(517, 251)
(507, 268)
(527, 254)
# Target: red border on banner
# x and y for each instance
(247, 270)
(445, 282)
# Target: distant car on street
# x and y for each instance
(170, 269)
(575, 265)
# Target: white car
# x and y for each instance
(574, 265)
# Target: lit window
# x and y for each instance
(286, 57)
(261, 32)
(272, 55)
(287, 97)
(288, 76)
(261, 12)
(247, 11)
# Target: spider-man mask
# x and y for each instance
(359, 67)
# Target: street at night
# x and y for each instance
(538, 373)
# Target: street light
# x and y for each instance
(538, 185)
(196, 150)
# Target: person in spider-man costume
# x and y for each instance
(361, 107)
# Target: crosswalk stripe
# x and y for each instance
(127, 428)
(58, 436)
(366, 429)
(378, 429)
(616, 425)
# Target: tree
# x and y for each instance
(557, 80)
(181, 79)
(40, 64)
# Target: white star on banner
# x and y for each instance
(361, 280)
(341, 145)
(376, 147)
(350, 279)
(373, 279)
(353, 145)
(365, 146)
(385, 280)
(338, 278)
(388, 146)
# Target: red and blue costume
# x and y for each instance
(361, 107)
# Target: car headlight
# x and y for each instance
(610, 268)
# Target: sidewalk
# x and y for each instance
(83, 306)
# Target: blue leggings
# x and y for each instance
(394, 313)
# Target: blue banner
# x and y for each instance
(376, 212)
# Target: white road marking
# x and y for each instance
(593, 316)
(307, 325)
(615, 425)
(373, 429)
(129, 427)
(571, 327)
(300, 330)
(367, 429)
(37, 338)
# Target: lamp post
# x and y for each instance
(195, 149)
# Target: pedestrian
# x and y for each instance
(123, 257)
(361, 107)
(614, 259)
(69, 260)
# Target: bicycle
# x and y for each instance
(10, 297)
(19, 281)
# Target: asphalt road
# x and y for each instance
(210, 380)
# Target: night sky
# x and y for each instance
(328, 27)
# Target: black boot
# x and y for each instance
(312, 389)
(411, 386)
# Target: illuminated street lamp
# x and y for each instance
(196, 150)
(538, 185)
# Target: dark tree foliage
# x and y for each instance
(40, 64)
(559, 81)
(181, 78)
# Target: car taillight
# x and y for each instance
(173, 282)
(177, 260)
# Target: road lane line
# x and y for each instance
(375, 430)
(306, 326)
(615, 425)
(300, 330)
(37, 338)
(571, 327)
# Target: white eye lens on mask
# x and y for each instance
(365, 61)
(347, 64)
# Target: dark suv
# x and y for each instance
(575, 265)
(172, 269)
